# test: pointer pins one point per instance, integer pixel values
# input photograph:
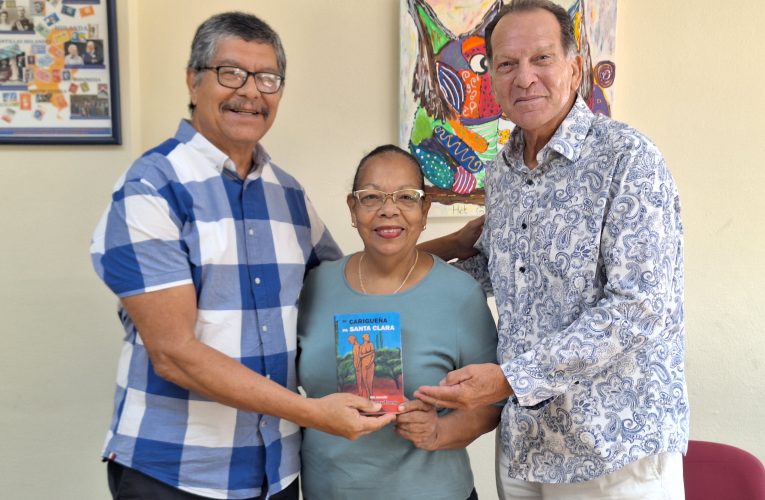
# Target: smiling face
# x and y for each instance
(390, 230)
(534, 80)
(234, 120)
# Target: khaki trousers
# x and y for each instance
(657, 477)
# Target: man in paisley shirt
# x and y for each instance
(582, 247)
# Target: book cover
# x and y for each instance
(369, 363)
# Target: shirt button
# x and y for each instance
(257, 281)
(522, 269)
(251, 232)
(529, 182)
(263, 423)
(264, 328)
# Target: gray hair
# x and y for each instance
(567, 40)
(231, 25)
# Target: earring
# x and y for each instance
(353, 222)
(424, 227)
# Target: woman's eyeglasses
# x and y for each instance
(403, 198)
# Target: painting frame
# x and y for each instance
(59, 73)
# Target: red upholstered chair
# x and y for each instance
(715, 471)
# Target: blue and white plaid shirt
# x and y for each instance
(181, 215)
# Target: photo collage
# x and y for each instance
(55, 76)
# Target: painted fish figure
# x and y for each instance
(455, 125)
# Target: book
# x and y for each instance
(369, 363)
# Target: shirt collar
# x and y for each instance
(567, 140)
(186, 133)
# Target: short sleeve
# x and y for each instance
(478, 337)
(324, 245)
(137, 245)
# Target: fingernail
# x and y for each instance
(400, 407)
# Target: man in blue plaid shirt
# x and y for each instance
(206, 243)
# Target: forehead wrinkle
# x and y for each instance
(513, 45)
(547, 48)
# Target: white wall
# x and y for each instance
(688, 75)
(57, 324)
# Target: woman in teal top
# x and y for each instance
(444, 322)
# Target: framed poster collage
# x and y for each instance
(59, 78)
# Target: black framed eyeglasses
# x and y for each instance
(233, 77)
(403, 198)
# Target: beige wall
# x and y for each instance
(689, 76)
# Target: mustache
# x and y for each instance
(244, 105)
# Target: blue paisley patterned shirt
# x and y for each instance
(584, 254)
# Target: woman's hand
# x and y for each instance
(421, 424)
(418, 422)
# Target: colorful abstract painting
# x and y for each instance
(449, 119)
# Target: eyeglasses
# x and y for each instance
(233, 77)
(403, 198)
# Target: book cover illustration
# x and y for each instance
(368, 347)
